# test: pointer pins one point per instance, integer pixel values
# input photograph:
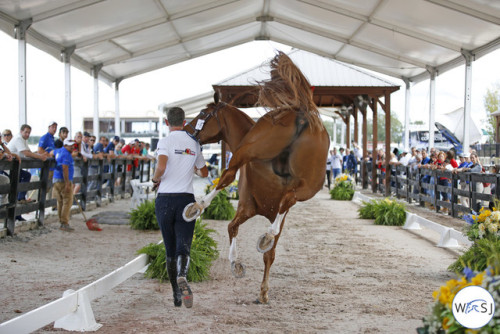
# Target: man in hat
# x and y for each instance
(63, 183)
(46, 142)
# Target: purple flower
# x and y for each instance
(468, 219)
(468, 273)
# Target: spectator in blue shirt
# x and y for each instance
(99, 147)
(351, 164)
(46, 142)
(110, 149)
(63, 183)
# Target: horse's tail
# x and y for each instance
(288, 89)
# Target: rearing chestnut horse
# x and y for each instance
(281, 158)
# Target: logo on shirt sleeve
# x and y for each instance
(187, 151)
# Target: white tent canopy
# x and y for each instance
(413, 40)
(454, 121)
(124, 38)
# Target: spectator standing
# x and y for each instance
(174, 179)
(46, 142)
(92, 142)
(63, 133)
(77, 153)
(132, 151)
(351, 163)
(344, 160)
(19, 145)
(329, 170)
(99, 147)
(88, 153)
(63, 183)
(4, 177)
(110, 148)
(6, 136)
(336, 163)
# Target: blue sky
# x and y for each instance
(142, 94)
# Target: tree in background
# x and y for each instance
(396, 128)
(492, 104)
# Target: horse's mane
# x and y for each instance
(288, 89)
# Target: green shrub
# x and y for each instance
(367, 210)
(482, 253)
(343, 191)
(220, 208)
(389, 212)
(203, 253)
(144, 217)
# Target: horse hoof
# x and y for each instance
(259, 302)
(191, 211)
(238, 269)
(265, 242)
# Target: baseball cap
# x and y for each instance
(86, 134)
(68, 141)
(136, 140)
(116, 138)
(52, 123)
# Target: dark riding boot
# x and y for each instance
(172, 276)
(182, 270)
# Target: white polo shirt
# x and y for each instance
(18, 144)
(184, 153)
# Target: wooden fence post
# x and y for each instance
(14, 173)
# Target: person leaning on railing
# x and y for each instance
(4, 177)
(19, 145)
(475, 168)
(465, 163)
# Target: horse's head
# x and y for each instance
(207, 127)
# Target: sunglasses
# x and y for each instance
(7, 134)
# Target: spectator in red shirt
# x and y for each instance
(132, 150)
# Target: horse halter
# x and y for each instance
(203, 117)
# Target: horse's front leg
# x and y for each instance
(237, 267)
(194, 210)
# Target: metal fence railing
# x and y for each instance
(98, 180)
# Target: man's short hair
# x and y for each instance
(175, 116)
(25, 126)
(63, 129)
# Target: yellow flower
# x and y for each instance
(478, 279)
(482, 227)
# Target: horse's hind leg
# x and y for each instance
(237, 268)
(268, 262)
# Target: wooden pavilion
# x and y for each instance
(348, 89)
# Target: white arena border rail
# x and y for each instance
(449, 237)
(73, 312)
